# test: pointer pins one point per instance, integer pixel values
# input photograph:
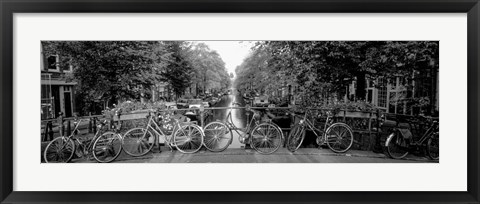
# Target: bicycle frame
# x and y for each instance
(405, 146)
(232, 126)
(158, 132)
(427, 134)
(309, 124)
(76, 128)
(79, 143)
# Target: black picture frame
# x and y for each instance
(9, 7)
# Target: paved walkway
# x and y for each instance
(239, 155)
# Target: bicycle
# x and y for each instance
(187, 137)
(401, 142)
(265, 137)
(338, 136)
(104, 148)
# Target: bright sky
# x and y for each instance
(231, 52)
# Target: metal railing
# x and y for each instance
(63, 126)
(363, 121)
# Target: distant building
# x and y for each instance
(400, 94)
(392, 94)
(57, 94)
(162, 91)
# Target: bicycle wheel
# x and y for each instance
(339, 137)
(295, 137)
(394, 149)
(107, 147)
(138, 142)
(59, 150)
(266, 138)
(217, 136)
(433, 148)
(188, 139)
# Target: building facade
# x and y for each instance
(411, 94)
(408, 95)
(57, 93)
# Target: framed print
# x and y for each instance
(253, 102)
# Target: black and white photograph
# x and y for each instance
(239, 101)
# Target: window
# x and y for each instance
(53, 64)
(382, 92)
(52, 61)
(392, 106)
(68, 68)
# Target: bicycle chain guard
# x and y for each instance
(242, 137)
(320, 140)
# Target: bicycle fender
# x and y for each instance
(341, 124)
(389, 138)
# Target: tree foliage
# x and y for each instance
(210, 71)
(178, 73)
(116, 71)
(322, 69)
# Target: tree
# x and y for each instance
(210, 71)
(179, 71)
(110, 70)
(323, 69)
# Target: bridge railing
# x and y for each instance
(365, 124)
(59, 126)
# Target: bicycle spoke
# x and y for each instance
(255, 136)
(210, 141)
(268, 144)
(265, 131)
(262, 144)
(181, 139)
(195, 134)
(190, 130)
(198, 139)
(268, 131)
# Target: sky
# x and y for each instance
(231, 52)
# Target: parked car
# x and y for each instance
(215, 100)
(194, 103)
(261, 101)
(212, 101)
(205, 104)
(171, 105)
(182, 103)
(201, 96)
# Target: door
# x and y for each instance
(370, 96)
(56, 99)
(68, 104)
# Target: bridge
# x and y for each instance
(366, 127)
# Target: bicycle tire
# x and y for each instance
(433, 148)
(137, 142)
(263, 140)
(67, 149)
(343, 139)
(110, 151)
(295, 138)
(188, 139)
(217, 136)
(394, 150)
